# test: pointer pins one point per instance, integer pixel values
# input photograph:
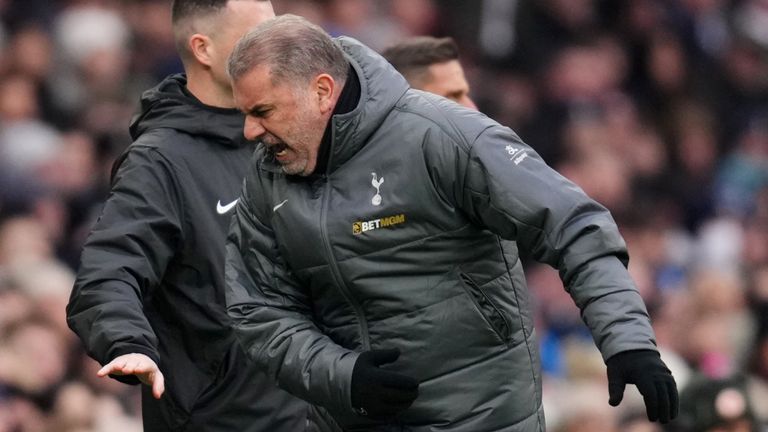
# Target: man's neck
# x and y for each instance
(202, 86)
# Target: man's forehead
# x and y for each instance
(446, 77)
(256, 86)
(450, 68)
(260, 75)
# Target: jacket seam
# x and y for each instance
(468, 143)
(173, 177)
(546, 233)
(177, 184)
(462, 142)
(531, 356)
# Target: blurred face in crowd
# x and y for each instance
(289, 118)
(31, 357)
(447, 79)
(734, 426)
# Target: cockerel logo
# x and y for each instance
(376, 182)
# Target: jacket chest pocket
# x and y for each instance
(491, 313)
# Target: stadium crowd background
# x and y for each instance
(658, 109)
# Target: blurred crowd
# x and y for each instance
(656, 108)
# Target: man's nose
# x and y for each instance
(253, 128)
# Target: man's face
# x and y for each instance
(447, 80)
(233, 22)
(288, 119)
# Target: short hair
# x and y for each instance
(293, 49)
(412, 57)
(183, 10)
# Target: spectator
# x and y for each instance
(675, 214)
(432, 65)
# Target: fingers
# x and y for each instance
(654, 381)
(381, 357)
(616, 391)
(674, 400)
(390, 402)
(394, 380)
(128, 364)
(651, 398)
(143, 367)
(114, 367)
(158, 384)
(398, 397)
(134, 366)
(664, 407)
(660, 398)
(668, 402)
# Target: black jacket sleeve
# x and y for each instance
(125, 257)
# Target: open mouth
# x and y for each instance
(279, 150)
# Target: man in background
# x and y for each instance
(432, 65)
(148, 300)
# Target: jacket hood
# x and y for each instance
(169, 105)
(381, 86)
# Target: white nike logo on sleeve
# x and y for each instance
(220, 209)
(274, 209)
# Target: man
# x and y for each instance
(364, 266)
(432, 65)
(148, 302)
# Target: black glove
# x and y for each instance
(644, 369)
(379, 393)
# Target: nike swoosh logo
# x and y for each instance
(220, 209)
(274, 209)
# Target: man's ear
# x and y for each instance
(201, 47)
(325, 89)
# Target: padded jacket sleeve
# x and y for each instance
(502, 184)
(272, 316)
(125, 257)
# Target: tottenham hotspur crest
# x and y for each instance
(376, 182)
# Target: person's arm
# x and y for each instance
(502, 184)
(123, 260)
(272, 316)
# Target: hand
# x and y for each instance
(143, 367)
(379, 393)
(644, 369)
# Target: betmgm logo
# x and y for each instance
(385, 222)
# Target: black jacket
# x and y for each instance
(152, 271)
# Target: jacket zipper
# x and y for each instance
(335, 272)
(504, 334)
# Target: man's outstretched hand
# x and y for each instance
(644, 369)
(143, 367)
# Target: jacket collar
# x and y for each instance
(170, 105)
(380, 89)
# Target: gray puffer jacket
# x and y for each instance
(400, 245)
